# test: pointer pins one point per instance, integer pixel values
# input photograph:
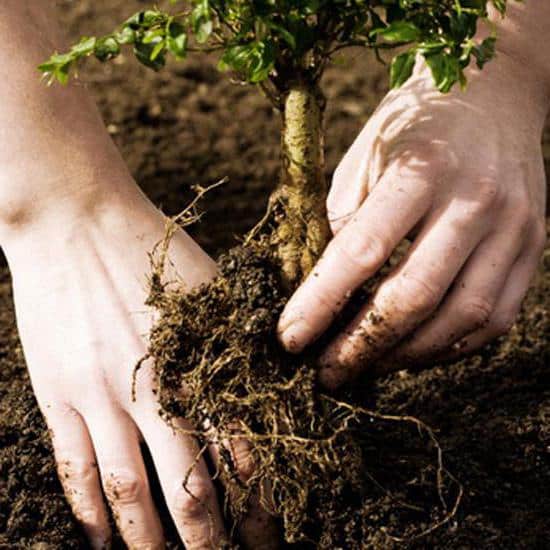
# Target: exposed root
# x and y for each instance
(329, 460)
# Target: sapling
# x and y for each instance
(214, 350)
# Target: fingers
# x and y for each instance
(509, 302)
(186, 483)
(408, 297)
(395, 206)
(470, 304)
(124, 478)
(78, 473)
(258, 530)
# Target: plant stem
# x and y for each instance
(302, 230)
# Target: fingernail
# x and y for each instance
(295, 335)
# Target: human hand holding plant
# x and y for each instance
(79, 294)
(463, 174)
(77, 233)
(80, 288)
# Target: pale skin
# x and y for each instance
(76, 231)
(464, 171)
(463, 176)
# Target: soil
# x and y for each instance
(185, 126)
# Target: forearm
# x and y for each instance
(55, 154)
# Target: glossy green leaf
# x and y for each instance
(402, 68)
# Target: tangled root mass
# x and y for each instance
(332, 470)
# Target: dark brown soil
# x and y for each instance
(189, 125)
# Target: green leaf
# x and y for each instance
(84, 47)
(300, 35)
(445, 70)
(157, 50)
(57, 67)
(485, 51)
(176, 40)
(286, 35)
(144, 52)
(462, 25)
(61, 73)
(153, 36)
(402, 68)
(201, 21)
(151, 17)
(126, 35)
(399, 31)
(145, 19)
(106, 48)
(253, 61)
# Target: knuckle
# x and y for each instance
(191, 500)
(77, 471)
(523, 215)
(335, 223)
(367, 252)
(88, 514)
(124, 486)
(520, 194)
(476, 312)
(143, 542)
(339, 176)
(489, 195)
(415, 295)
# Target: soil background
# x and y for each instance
(189, 125)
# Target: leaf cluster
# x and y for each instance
(282, 41)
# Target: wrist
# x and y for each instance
(516, 91)
(59, 209)
(521, 37)
(121, 229)
(53, 202)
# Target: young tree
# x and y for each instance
(219, 341)
(283, 47)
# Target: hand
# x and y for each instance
(80, 286)
(77, 232)
(462, 175)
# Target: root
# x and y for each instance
(338, 471)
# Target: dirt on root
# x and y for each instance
(185, 126)
(340, 472)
